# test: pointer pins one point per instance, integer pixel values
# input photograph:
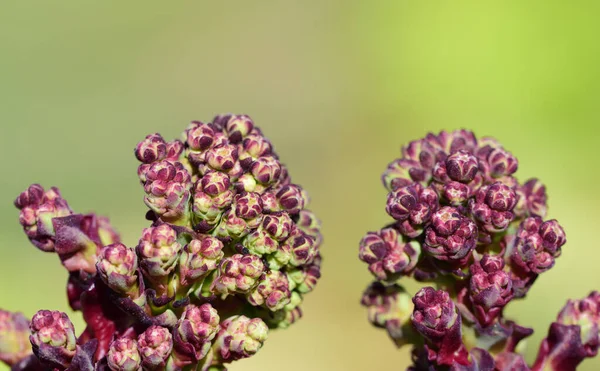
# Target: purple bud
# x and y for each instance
(309, 224)
(199, 136)
(167, 190)
(490, 288)
(153, 148)
(195, 330)
(155, 345)
(259, 242)
(532, 199)
(278, 225)
(435, 317)
(106, 232)
(266, 170)
(240, 337)
(537, 244)
(38, 208)
(302, 247)
(253, 147)
(238, 127)
(304, 278)
(492, 207)
(14, 337)
(387, 255)
(390, 307)
(124, 355)
(584, 313)
(412, 205)
(232, 226)
(213, 194)
(248, 206)
(117, 266)
(458, 140)
(273, 291)
(451, 236)
(456, 193)
(222, 157)
(53, 338)
(198, 258)
(238, 274)
(158, 251)
(426, 151)
(461, 166)
(292, 198)
(403, 172)
(501, 163)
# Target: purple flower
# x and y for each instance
(451, 236)
(584, 313)
(53, 338)
(492, 207)
(124, 355)
(304, 278)
(198, 258)
(167, 188)
(387, 255)
(490, 288)
(240, 337)
(117, 266)
(272, 291)
(412, 206)
(532, 199)
(155, 346)
(212, 196)
(195, 330)
(158, 251)
(153, 148)
(238, 274)
(537, 244)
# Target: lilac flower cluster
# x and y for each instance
(464, 225)
(230, 253)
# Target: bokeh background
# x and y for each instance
(338, 86)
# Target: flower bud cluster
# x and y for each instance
(465, 225)
(230, 253)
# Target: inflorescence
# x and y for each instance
(465, 225)
(230, 253)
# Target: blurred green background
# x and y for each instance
(338, 86)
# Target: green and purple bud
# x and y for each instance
(460, 166)
(158, 251)
(240, 337)
(53, 338)
(238, 127)
(412, 206)
(155, 346)
(492, 207)
(532, 199)
(259, 242)
(117, 266)
(388, 256)
(14, 337)
(490, 288)
(123, 355)
(238, 274)
(437, 319)
(427, 151)
(309, 224)
(537, 244)
(198, 258)
(304, 278)
(302, 247)
(253, 147)
(272, 291)
(212, 196)
(403, 172)
(153, 148)
(501, 163)
(291, 198)
(199, 137)
(38, 208)
(584, 313)
(223, 158)
(451, 236)
(390, 307)
(167, 188)
(195, 330)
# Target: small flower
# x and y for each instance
(238, 273)
(387, 255)
(117, 266)
(212, 196)
(195, 330)
(532, 199)
(158, 250)
(167, 190)
(124, 355)
(240, 337)
(584, 313)
(272, 291)
(304, 278)
(537, 244)
(153, 148)
(451, 236)
(461, 166)
(238, 127)
(413, 207)
(492, 207)
(53, 338)
(490, 288)
(198, 258)
(14, 337)
(302, 247)
(155, 345)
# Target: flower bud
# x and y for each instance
(490, 288)
(117, 266)
(501, 163)
(302, 247)
(492, 207)
(212, 196)
(456, 193)
(248, 206)
(461, 166)
(412, 206)
(304, 278)
(238, 274)
(387, 255)
(38, 208)
(155, 345)
(266, 170)
(240, 337)
(259, 242)
(254, 146)
(537, 244)
(222, 157)
(584, 313)
(53, 338)
(403, 172)
(195, 330)
(153, 148)
(198, 258)
(451, 236)
(435, 317)
(158, 250)
(167, 190)
(14, 337)
(273, 291)
(292, 198)
(238, 127)
(278, 225)
(309, 224)
(389, 307)
(532, 199)
(124, 355)
(427, 151)
(199, 136)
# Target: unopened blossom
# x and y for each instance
(14, 337)
(388, 255)
(53, 338)
(155, 345)
(240, 337)
(124, 355)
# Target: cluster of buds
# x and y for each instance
(230, 253)
(477, 238)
